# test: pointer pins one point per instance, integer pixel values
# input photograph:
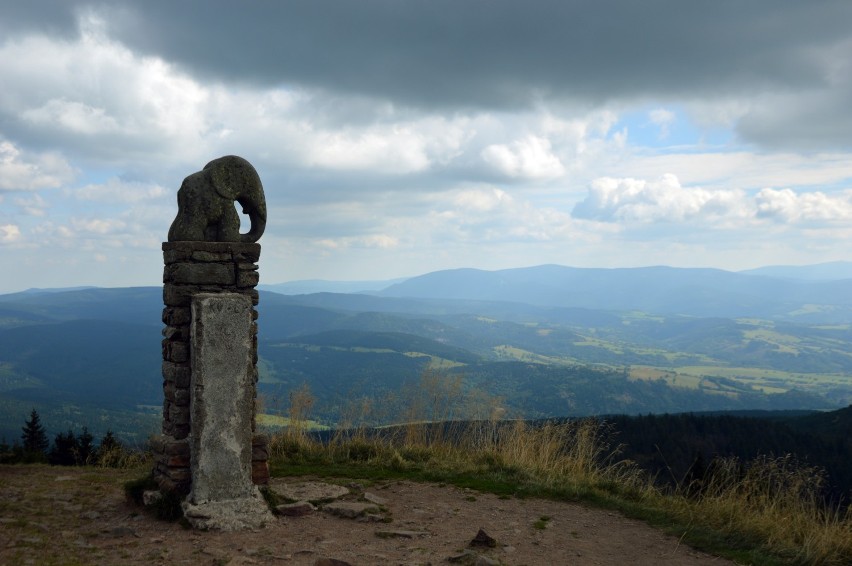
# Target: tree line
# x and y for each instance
(68, 449)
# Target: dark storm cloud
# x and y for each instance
(492, 53)
(54, 17)
(789, 61)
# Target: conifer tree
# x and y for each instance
(85, 448)
(65, 449)
(110, 451)
(34, 437)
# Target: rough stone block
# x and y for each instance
(176, 316)
(201, 274)
(177, 352)
(182, 397)
(181, 431)
(183, 378)
(247, 255)
(177, 373)
(176, 255)
(205, 256)
(259, 453)
(157, 444)
(179, 295)
(178, 461)
(180, 474)
(179, 415)
(176, 333)
(176, 447)
(247, 279)
(169, 391)
(260, 473)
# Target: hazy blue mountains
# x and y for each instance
(663, 290)
(547, 341)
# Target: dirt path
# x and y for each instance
(52, 515)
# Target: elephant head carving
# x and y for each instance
(206, 199)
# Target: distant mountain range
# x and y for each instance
(662, 290)
(307, 286)
(547, 340)
(831, 271)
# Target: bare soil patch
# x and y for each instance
(51, 515)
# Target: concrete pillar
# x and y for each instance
(221, 410)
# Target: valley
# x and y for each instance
(91, 357)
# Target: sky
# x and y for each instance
(399, 137)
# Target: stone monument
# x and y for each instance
(209, 449)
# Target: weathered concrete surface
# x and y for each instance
(221, 408)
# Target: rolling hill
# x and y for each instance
(546, 341)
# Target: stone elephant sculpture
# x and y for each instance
(206, 210)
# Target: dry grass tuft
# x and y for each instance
(772, 504)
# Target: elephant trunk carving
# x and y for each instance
(206, 199)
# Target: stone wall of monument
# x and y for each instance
(192, 268)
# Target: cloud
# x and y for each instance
(516, 50)
(33, 205)
(662, 118)
(75, 117)
(124, 72)
(378, 241)
(529, 158)
(114, 190)
(399, 147)
(664, 200)
(489, 214)
(786, 206)
(27, 172)
(9, 233)
(99, 226)
(91, 94)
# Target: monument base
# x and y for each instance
(229, 514)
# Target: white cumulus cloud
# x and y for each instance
(662, 200)
(27, 172)
(785, 205)
(530, 157)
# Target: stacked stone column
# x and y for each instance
(192, 268)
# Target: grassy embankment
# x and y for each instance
(767, 511)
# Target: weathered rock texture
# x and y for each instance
(221, 411)
(193, 268)
(206, 203)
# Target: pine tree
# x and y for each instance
(64, 451)
(34, 438)
(85, 448)
(108, 442)
(110, 451)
